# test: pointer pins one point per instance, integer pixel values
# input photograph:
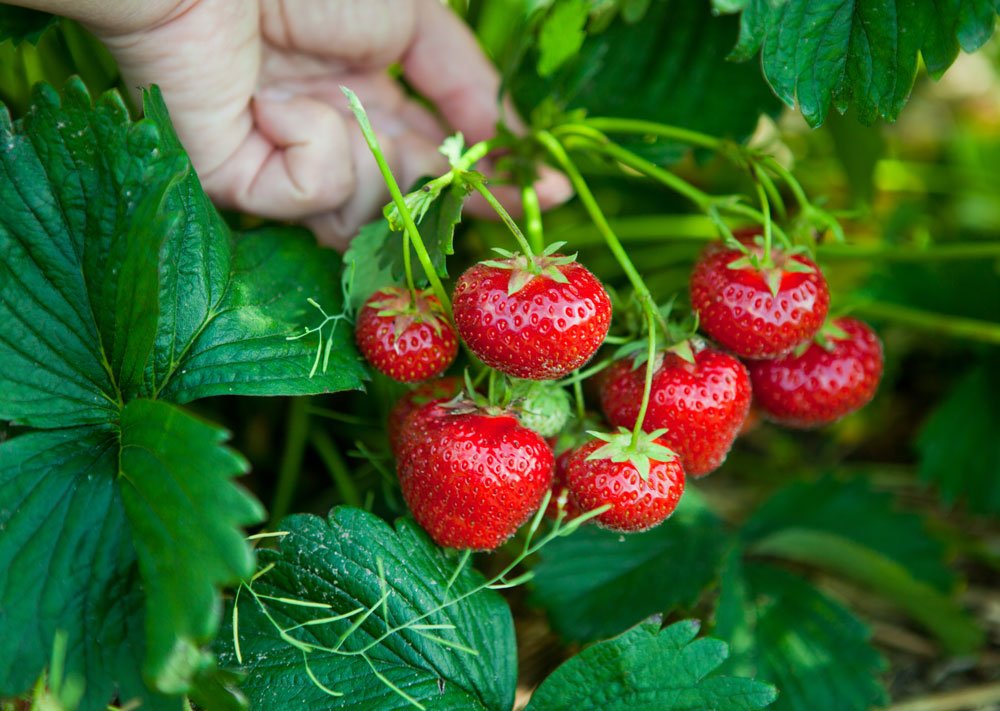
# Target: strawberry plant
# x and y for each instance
(718, 431)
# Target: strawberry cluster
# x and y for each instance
(472, 472)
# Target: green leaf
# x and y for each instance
(118, 275)
(959, 448)
(848, 529)
(339, 564)
(783, 630)
(651, 668)
(861, 52)
(22, 25)
(853, 510)
(67, 545)
(185, 518)
(670, 67)
(596, 583)
(120, 282)
(245, 349)
(375, 258)
(561, 34)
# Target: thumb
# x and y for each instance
(296, 160)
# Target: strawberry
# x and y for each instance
(542, 407)
(470, 477)
(641, 481)
(758, 312)
(827, 380)
(406, 339)
(701, 405)
(538, 320)
(559, 489)
(431, 391)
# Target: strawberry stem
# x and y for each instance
(765, 208)
(408, 268)
(397, 199)
(945, 324)
(505, 217)
(614, 244)
(648, 385)
(532, 217)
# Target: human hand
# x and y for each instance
(253, 88)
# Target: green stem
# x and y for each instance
(408, 268)
(680, 186)
(533, 218)
(555, 148)
(600, 221)
(581, 407)
(648, 385)
(704, 201)
(765, 208)
(650, 128)
(398, 201)
(505, 217)
(954, 326)
(336, 465)
(291, 459)
(932, 253)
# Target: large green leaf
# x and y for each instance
(119, 282)
(861, 52)
(596, 583)
(118, 273)
(849, 529)
(69, 565)
(783, 630)
(852, 509)
(670, 67)
(959, 448)
(651, 668)
(352, 561)
(185, 518)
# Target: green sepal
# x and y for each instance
(637, 449)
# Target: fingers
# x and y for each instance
(446, 65)
(297, 160)
(410, 156)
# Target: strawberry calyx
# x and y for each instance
(775, 266)
(407, 309)
(638, 449)
(525, 267)
(825, 338)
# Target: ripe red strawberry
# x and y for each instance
(471, 478)
(822, 384)
(431, 391)
(642, 483)
(538, 326)
(559, 488)
(737, 308)
(405, 339)
(701, 405)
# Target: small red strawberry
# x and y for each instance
(701, 405)
(538, 320)
(471, 478)
(560, 489)
(758, 312)
(826, 381)
(405, 339)
(641, 481)
(437, 390)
